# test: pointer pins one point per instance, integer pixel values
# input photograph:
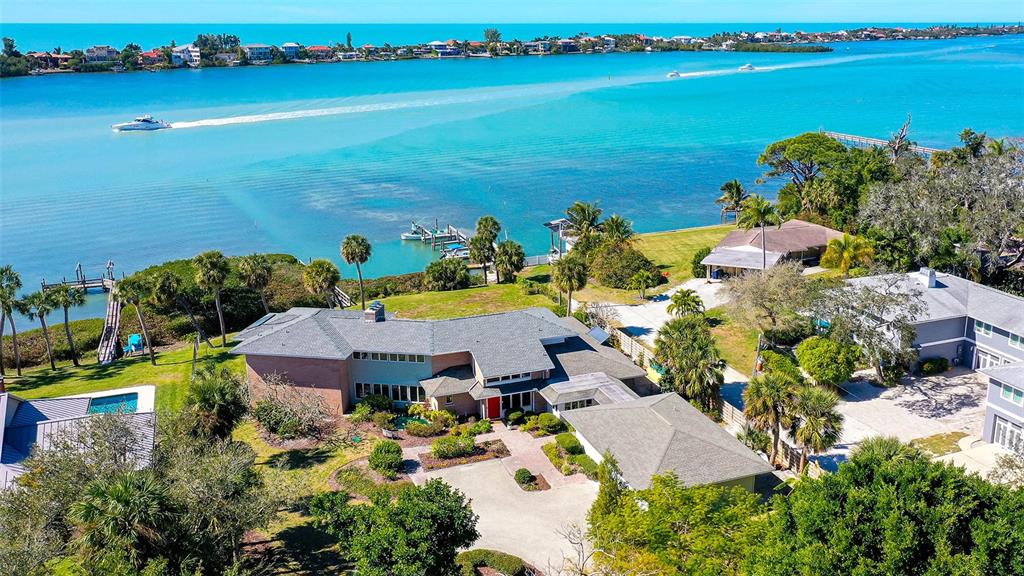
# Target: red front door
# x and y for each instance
(494, 407)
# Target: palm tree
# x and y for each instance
(584, 218)
(217, 399)
(817, 425)
(616, 229)
(319, 277)
(167, 294)
(488, 227)
(768, 402)
(212, 271)
(685, 302)
(640, 282)
(256, 272)
(758, 212)
(134, 289)
(66, 297)
(509, 260)
(998, 147)
(699, 373)
(570, 275)
(10, 283)
(127, 512)
(355, 249)
(36, 306)
(843, 253)
(732, 198)
(481, 251)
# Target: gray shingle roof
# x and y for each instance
(664, 433)
(792, 236)
(584, 355)
(450, 381)
(1012, 374)
(503, 343)
(597, 386)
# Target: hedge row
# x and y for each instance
(506, 564)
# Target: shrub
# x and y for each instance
(524, 477)
(274, 418)
(288, 411)
(424, 430)
(514, 418)
(554, 454)
(417, 410)
(377, 402)
(453, 447)
(531, 423)
(506, 564)
(550, 423)
(756, 440)
(827, 361)
(446, 274)
(569, 443)
(586, 465)
(775, 363)
(362, 413)
(384, 420)
(480, 427)
(696, 267)
(615, 264)
(933, 366)
(386, 458)
(789, 332)
(444, 418)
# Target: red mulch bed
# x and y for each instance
(485, 451)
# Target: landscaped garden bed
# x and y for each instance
(483, 562)
(530, 482)
(359, 480)
(567, 456)
(484, 451)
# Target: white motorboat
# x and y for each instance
(747, 68)
(411, 236)
(672, 74)
(141, 123)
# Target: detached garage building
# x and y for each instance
(664, 433)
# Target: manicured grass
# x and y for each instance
(940, 444)
(737, 343)
(170, 375)
(468, 302)
(673, 251)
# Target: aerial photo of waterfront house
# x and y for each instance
(512, 289)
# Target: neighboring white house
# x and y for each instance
(291, 50)
(100, 54)
(186, 55)
(257, 52)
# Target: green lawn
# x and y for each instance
(940, 444)
(468, 302)
(737, 343)
(170, 375)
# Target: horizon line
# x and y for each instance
(929, 22)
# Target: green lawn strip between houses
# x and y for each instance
(470, 301)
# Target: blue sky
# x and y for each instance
(498, 11)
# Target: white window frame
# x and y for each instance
(1015, 341)
(449, 400)
(983, 328)
(1008, 392)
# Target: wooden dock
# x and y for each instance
(865, 142)
(104, 282)
(440, 236)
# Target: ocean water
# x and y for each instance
(293, 158)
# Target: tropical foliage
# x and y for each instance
(685, 348)
(320, 277)
(847, 252)
(356, 249)
(446, 274)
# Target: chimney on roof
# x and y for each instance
(374, 312)
(927, 277)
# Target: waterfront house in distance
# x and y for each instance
(485, 366)
(33, 424)
(795, 240)
(980, 328)
(100, 54)
(290, 50)
(186, 55)
(151, 57)
(257, 52)
(664, 433)
(320, 52)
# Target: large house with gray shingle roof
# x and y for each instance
(486, 365)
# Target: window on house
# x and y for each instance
(1017, 342)
(401, 357)
(1012, 394)
(982, 328)
(374, 356)
(393, 357)
(448, 400)
(420, 358)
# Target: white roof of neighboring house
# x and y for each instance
(746, 257)
(1012, 374)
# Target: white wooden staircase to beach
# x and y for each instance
(109, 348)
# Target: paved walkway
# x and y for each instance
(975, 455)
(644, 320)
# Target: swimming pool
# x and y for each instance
(126, 403)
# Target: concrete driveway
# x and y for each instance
(644, 320)
(525, 524)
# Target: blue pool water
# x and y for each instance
(124, 403)
(294, 158)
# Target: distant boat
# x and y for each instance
(413, 233)
(672, 74)
(747, 68)
(141, 123)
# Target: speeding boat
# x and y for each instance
(672, 74)
(747, 68)
(141, 123)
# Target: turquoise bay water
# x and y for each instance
(293, 158)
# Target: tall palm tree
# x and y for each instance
(212, 271)
(732, 198)
(36, 306)
(570, 275)
(10, 283)
(757, 212)
(846, 252)
(319, 277)
(167, 294)
(616, 229)
(488, 227)
(509, 260)
(356, 249)
(768, 402)
(256, 272)
(640, 282)
(700, 376)
(584, 218)
(817, 425)
(684, 302)
(481, 251)
(127, 512)
(66, 297)
(134, 289)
